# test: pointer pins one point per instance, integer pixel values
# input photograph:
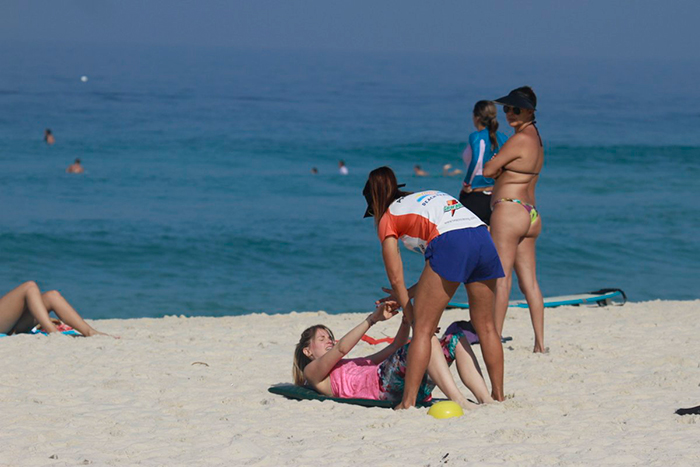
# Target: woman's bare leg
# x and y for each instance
(481, 300)
(431, 297)
(509, 224)
(469, 371)
(22, 308)
(54, 301)
(439, 372)
(525, 268)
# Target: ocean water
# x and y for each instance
(198, 197)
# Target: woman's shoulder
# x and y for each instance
(530, 136)
(517, 138)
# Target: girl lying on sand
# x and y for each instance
(22, 308)
(319, 363)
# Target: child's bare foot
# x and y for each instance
(467, 405)
(540, 348)
(94, 332)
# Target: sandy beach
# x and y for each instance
(193, 391)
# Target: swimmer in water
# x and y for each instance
(419, 172)
(342, 168)
(447, 172)
(48, 137)
(75, 168)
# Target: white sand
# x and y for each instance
(605, 394)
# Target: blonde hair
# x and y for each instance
(300, 359)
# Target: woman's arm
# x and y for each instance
(319, 369)
(510, 151)
(394, 272)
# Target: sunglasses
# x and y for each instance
(507, 108)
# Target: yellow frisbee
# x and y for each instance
(445, 409)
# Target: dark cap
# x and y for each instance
(367, 193)
(516, 99)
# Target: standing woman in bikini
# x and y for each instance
(515, 222)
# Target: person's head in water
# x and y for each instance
(484, 114)
(519, 106)
(314, 342)
(75, 167)
(419, 172)
(380, 191)
(314, 170)
(48, 136)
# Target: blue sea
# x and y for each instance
(198, 197)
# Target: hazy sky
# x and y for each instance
(546, 28)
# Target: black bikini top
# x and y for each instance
(534, 124)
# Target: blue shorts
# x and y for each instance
(465, 255)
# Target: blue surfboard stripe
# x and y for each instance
(573, 301)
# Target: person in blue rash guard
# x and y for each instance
(483, 144)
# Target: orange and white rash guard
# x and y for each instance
(418, 218)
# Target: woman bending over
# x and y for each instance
(319, 362)
(457, 249)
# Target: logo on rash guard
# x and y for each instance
(428, 196)
(452, 205)
(425, 194)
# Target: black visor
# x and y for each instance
(368, 197)
(516, 99)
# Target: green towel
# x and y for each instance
(292, 391)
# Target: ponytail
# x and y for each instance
(493, 128)
(485, 112)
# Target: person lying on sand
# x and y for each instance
(319, 363)
(22, 308)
